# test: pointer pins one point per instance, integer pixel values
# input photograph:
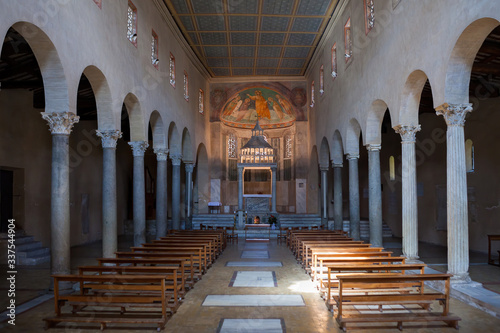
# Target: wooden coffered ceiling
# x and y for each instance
(252, 37)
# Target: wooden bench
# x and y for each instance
(146, 294)
(330, 284)
(419, 297)
(187, 278)
(171, 274)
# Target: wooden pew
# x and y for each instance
(336, 270)
(171, 275)
(187, 279)
(117, 294)
(419, 298)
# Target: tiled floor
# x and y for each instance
(291, 280)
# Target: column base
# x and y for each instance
(413, 261)
(463, 278)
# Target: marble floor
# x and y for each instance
(297, 306)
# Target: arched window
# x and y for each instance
(469, 155)
(321, 80)
(392, 168)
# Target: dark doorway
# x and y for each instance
(6, 198)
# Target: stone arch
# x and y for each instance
(202, 180)
(105, 118)
(337, 153)
(54, 79)
(158, 130)
(174, 140)
(410, 100)
(187, 148)
(136, 118)
(352, 137)
(324, 153)
(462, 58)
(373, 133)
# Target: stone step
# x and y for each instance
(28, 246)
(34, 253)
(36, 260)
(24, 239)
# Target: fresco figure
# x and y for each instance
(276, 108)
(234, 104)
(260, 105)
(285, 105)
(244, 109)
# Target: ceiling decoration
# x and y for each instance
(252, 37)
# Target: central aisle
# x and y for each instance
(253, 287)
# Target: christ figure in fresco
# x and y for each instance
(260, 105)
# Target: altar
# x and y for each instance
(259, 227)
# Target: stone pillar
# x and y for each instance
(409, 191)
(189, 194)
(60, 125)
(161, 192)
(353, 196)
(456, 190)
(241, 222)
(374, 194)
(176, 190)
(324, 197)
(273, 198)
(338, 217)
(139, 191)
(109, 206)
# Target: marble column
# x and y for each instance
(189, 194)
(273, 198)
(109, 206)
(241, 219)
(324, 197)
(409, 191)
(456, 189)
(60, 125)
(374, 194)
(139, 192)
(338, 218)
(161, 192)
(176, 190)
(353, 196)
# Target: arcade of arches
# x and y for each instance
(388, 126)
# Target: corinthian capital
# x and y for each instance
(161, 154)
(139, 147)
(454, 114)
(109, 137)
(407, 133)
(60, 122)
(176, 158)
(189, 167)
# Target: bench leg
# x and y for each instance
(452, 323)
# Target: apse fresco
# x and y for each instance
(269, 106)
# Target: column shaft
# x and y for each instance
(60, 126)
(240, 188)
(353, 196)
(324, 191)
(189, 194)
(139, 192)
(375, 195)
(161, 192)
(109, 206)
(409, 191)
(176, 191)
(337, 197)
(456, 187)
(273, 198)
